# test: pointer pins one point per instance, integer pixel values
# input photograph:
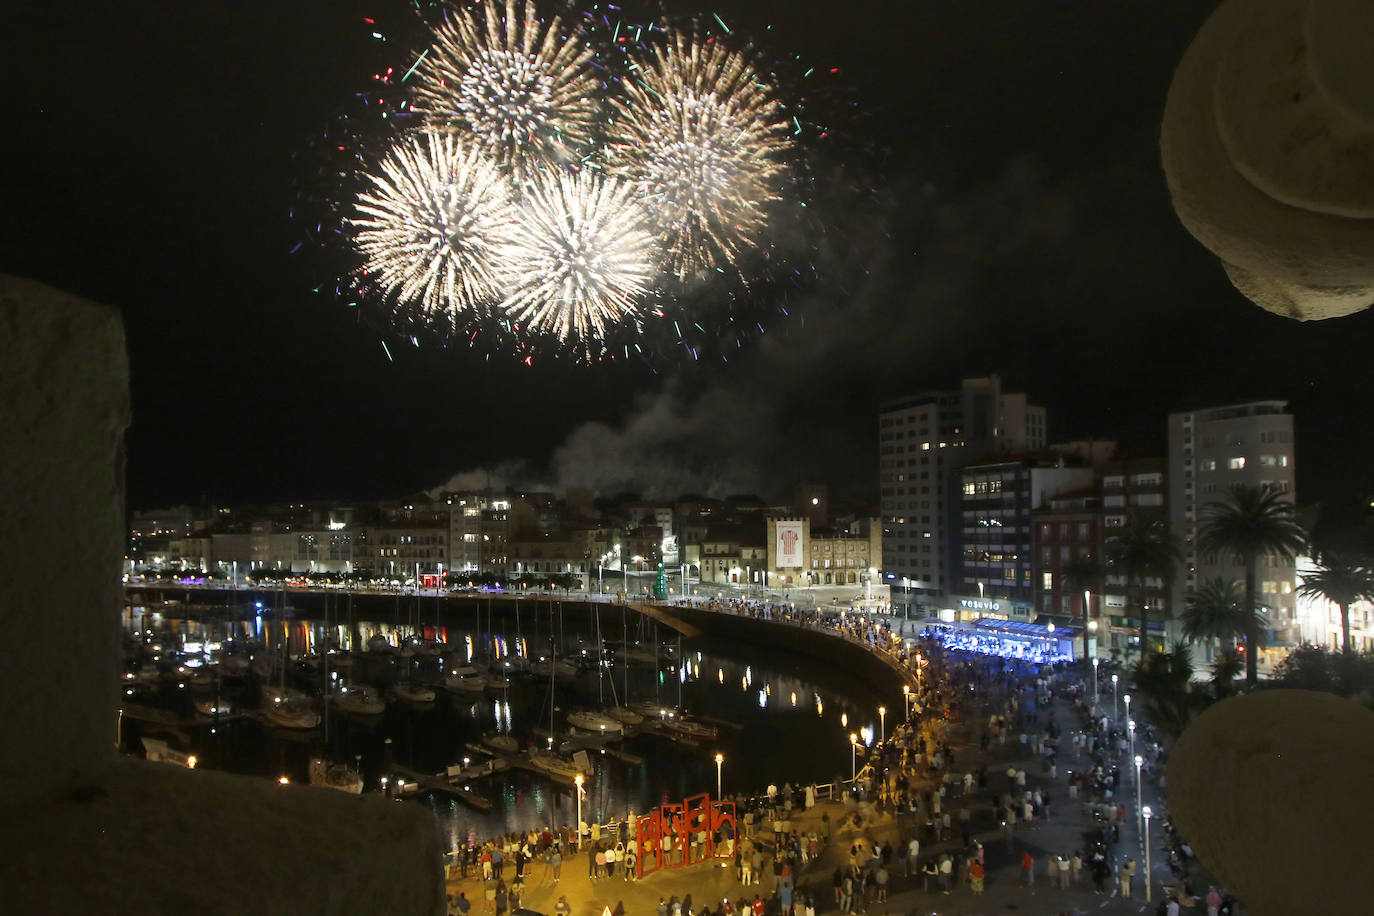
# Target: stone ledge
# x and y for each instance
(153, 838)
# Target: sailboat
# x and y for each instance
(546, 760)
(338, 776)
(360, 701)
(287, 708)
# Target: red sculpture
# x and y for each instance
(674, 836)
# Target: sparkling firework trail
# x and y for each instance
(524, 89)
(431, 222)
(700, 134)
(581, 255)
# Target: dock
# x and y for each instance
(518, 762)
(442, 784)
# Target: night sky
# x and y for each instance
(990, 191)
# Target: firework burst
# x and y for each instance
(580, 258)
(431, 224)
(522, 88)
(700, 134)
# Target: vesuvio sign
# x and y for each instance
(980, 604)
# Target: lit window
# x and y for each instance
(1236, 464)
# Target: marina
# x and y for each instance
(502, 756)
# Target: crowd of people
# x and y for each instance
(985, 757)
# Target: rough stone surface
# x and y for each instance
(1271, 789)
(83, 830)
(155, 838)
(64, 406)
(1267, 147)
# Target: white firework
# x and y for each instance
(701, 135)
(431, 224)
(581, 255)
(522, 88)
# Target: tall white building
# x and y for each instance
(1210, 451)
(924, 441)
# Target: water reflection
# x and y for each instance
(803, 743)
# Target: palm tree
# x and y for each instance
(1341, 582)
(1082, 572)
(1214, 611)
(1226, 667)
(1252, 522)
(1164, 682)
(1143, 550)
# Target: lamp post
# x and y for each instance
(1127, 698)
(1138, 761)
(577, 780)
(853, 757)
(1095, 661)
(1130, 730)
(882, 724)
(906, 700)
(1116, 700)
(720, 758)
(1146, 811)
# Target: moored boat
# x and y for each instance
(594, 722)
(361, 701)
(553, 765)
(504, 743)
(337, 776)
(412, 693)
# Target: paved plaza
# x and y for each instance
(1067, 829)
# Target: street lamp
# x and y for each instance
(906, 700)
(1146, 811)
(1095, 661)
(853, 757)
(577, 780)
(1130, 729)
(1138, 761)
(720, 758)
(1115, 699)
(1127, 698)
(882, 724)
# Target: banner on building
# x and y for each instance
(788, 548)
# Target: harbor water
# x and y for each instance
(779, 718)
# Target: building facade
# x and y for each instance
(998, 499)
(1210, 451)
(924, 441)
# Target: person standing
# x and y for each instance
(1063, 864)
(1027, 869)
(975, 877)
(946, 873)
(931, 873)
(556, 863)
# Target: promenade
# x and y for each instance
(1066, 828)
